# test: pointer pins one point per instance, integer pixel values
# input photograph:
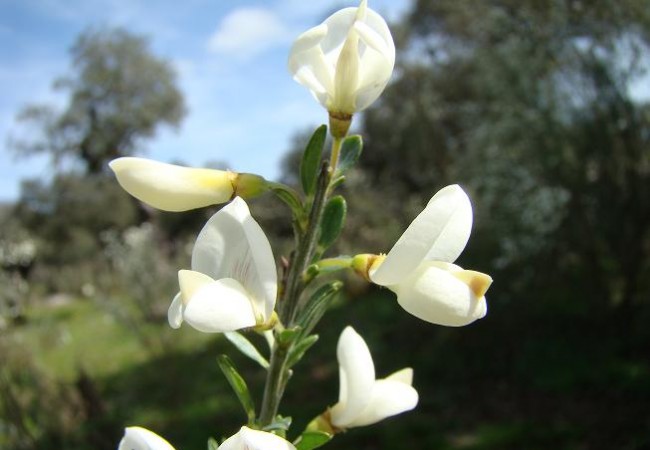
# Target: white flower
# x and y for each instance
(233, 281)
(137, 438)
(248, 439)
(173, 188)
(346, 61)
(418, 268)
(362, 399)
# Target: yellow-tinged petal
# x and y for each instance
(434, 293)
(478, 282)
(190, 282)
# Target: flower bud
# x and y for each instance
(176, 188)
(345, 62)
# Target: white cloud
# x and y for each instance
(246, 32)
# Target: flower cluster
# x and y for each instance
(233, 285)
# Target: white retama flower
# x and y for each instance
(346, 61)
(138, 438)
(248, 439)
(419, 267)
(173, 188)
(363, 400)
(233, 281)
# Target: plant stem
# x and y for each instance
(304, 252)
(275, 384)
(336, 148)
(277, 375)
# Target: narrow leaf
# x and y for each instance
(311, 160)
(246, 347)
(289, 197)
(310, 440)
(350, 152)
(213, 444)
(299, 350)
(332, 222)
(238, 385)
(319, 302)
(286, 337)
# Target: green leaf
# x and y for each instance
(238, 385)
(317, 305)
(299, 350)
(280, 423)
(332, 222)
(311, 158)
(350, 152)
(246, 347)
(310, 440)
(213, 444)
(289, 197)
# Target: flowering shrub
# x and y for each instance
(233, 285)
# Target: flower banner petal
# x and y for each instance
(440, 232)
(233, 245)
(357, 377)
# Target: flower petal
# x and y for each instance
(170, 187)
(175, 312)
(439, 233)
(433, 293)
(248, 439)
(190, 282)
(403, 376)
(338, 27)
(389, 397)
(223, 305)
(233, 245)
(357, 375)
(138, 438)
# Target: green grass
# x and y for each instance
(82, 335)
(519, 379)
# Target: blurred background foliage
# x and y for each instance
(533, 107)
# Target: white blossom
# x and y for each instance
(346, 61)
(363, 400)
(419, 267)
(233, 281)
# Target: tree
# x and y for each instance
(119, 94)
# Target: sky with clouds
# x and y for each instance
(230, 56)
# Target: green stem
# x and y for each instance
(326, 265)
(304, 252)
(336, 148)
(275, 384)
(277, 375)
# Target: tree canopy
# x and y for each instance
(119, 93)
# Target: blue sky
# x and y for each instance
(243, 106)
